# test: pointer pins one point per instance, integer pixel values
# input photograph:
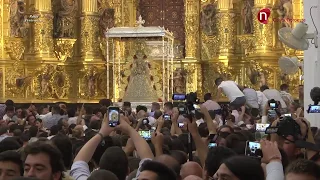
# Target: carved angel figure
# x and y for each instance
(179, 81)
(64, 18)
(208, 19)
(18, 24)
(248, 17)
(106, 20)
(285, 12)
(91, 80)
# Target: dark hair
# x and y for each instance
(9, 102)
(245, 168)
(264, 87)
(63, 143)
(207, 97)
(33, 131)
(180, 156)
(157, 114)
(303, 166)
(54, 154)
(156, 105)
(27, 118)
(95, 124)
(54, 130)
(9, 143)
(284, 87)
(115, 160)
(218, 81)
(127, 104)
(105, 102)
(38, 120)
(71, 113)
(102, 174)
(9, 108)
(55, 109)
(12, 156)
(139, 108)
(169, 105)
(215, 158)
(162, 171)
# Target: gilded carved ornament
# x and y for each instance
(14, 47)
(247, 42)
(63, 48)
(89, 34)
(89, 81)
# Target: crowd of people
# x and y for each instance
(208, 140)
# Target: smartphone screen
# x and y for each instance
(314, 109)
(145, 134)
(253, 149)
(181, 125)
(261, 127)
(211, 145)
(287, 115)
(273, 105)
(114, 116)
(167, 117)
(178, 97)
(196, 107)
(272, 113)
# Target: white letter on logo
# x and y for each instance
(263, 16)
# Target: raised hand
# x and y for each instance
(270, 151)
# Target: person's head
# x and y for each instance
(31, 119)
(303, 169)
(264, 87)
(10, 165)
(155, 106)
(157, 114)
(284, 87)
(126, 105)
(289, 147)
(293, 107)
(207, 97)
(9, 143)
(105, 102)
(225, 131)
(215, 158)
(168, 106)
(152, 170)
(240, 168)
(43, 161)
(9, 102)
(115, 160)
(56, 109)
(19, 112)
(39, 123)
(143, 108)
(63, 143)
(190, 168)
(218, 81)
(54, 130)
(9, 111)
(170, 162)
(77, 131)
(71, 113)
(102, 174)
(33, 131)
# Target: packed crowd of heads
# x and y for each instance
(214, 142)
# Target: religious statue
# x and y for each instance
(248, 17)
(285, 12)
(18, 24)
(208, 19)
(91, 81)
(45, 78)
(140, 87)
(65, 12)
(106, 20)
(179, 81)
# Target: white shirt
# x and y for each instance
(262, 101)
(286, 97)
(251, 97)
(274, 94)
(211, 105)
(236, 115)
(72, 120)
(231, 90)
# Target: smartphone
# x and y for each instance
(167, 117)
(261, 127)
(287, 115)
(273, 105)
(181, 125)
(253, 149)
(179, 97)
(272, 113)
(114, 116)
(211, 145)
(314, 109)
(271, 130)
(145, 134)
(196, 107)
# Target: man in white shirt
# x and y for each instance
(252, 100)
(286, 96)
(273, 94)
(231, 90)
(262, 101)
(210, 104)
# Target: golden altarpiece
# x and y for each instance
(56, 50)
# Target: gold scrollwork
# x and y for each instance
(60, 83)
(247, 42)
(14, 47)
(192, 30)
(90, 34)
(89, 82)
(43, 34)
(227, 30)
(63, 48)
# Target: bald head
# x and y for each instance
(192, 177)
(169, 161)
(191, 169)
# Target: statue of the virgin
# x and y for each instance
(140, 87)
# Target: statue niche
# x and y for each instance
(248, 16)
(208, 19)
(18, 24)
(106, 20)
(179, 81)
(64, 12)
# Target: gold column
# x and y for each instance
(117, 5)
(263, 32)
(226, 29)
(90, 49)
(43, 24)
(192, 28)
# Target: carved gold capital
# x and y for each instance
(247, 42)
(14, 47)
(89, 6)
(63, 48)
(225, 4)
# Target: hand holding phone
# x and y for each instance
(114, 116)
(212, 145)
(253, 149)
